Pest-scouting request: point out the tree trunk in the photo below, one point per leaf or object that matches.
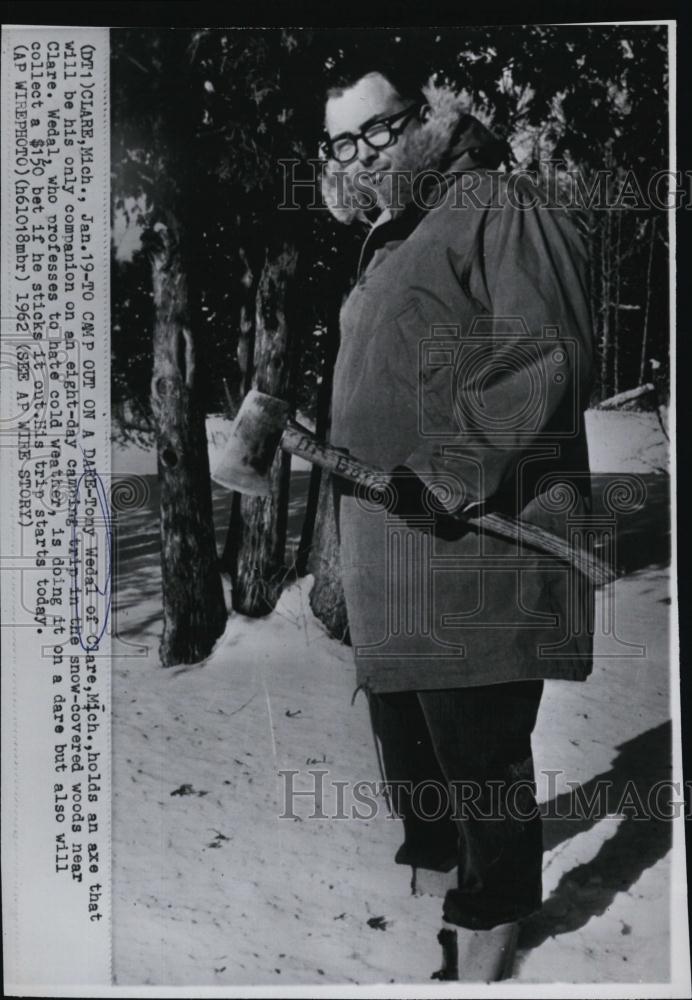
(605, 303)
(645, 330)
(592, 248)
(616, 310)
(307, 532)
(244, 355)
(246, 328)
(327, 595)
(194, 611)
(257, 538)
(324, 398)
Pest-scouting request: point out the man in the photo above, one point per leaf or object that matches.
(463, 370)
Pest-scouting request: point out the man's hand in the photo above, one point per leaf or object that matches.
(413, 500)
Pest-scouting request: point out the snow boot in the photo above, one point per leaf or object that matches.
(477, 956)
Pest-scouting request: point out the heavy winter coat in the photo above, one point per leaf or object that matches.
(466, 356)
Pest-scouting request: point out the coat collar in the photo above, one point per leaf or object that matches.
(472, 147)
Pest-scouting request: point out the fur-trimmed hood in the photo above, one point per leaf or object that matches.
(452, 138)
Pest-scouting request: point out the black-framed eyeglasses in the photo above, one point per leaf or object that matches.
(378, 135)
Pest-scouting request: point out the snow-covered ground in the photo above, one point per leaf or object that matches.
(619, 441)
(627, 441)
(212, 887)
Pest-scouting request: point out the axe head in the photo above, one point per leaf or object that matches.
(245, 463)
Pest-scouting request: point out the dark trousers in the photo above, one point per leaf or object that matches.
(461, 772)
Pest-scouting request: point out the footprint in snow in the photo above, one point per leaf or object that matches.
(377, 923)
(187, 790)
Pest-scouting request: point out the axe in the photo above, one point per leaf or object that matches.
(263, 424)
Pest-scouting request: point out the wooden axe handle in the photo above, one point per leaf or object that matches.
(302, 442)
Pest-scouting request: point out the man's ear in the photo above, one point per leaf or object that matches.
(425, 113)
